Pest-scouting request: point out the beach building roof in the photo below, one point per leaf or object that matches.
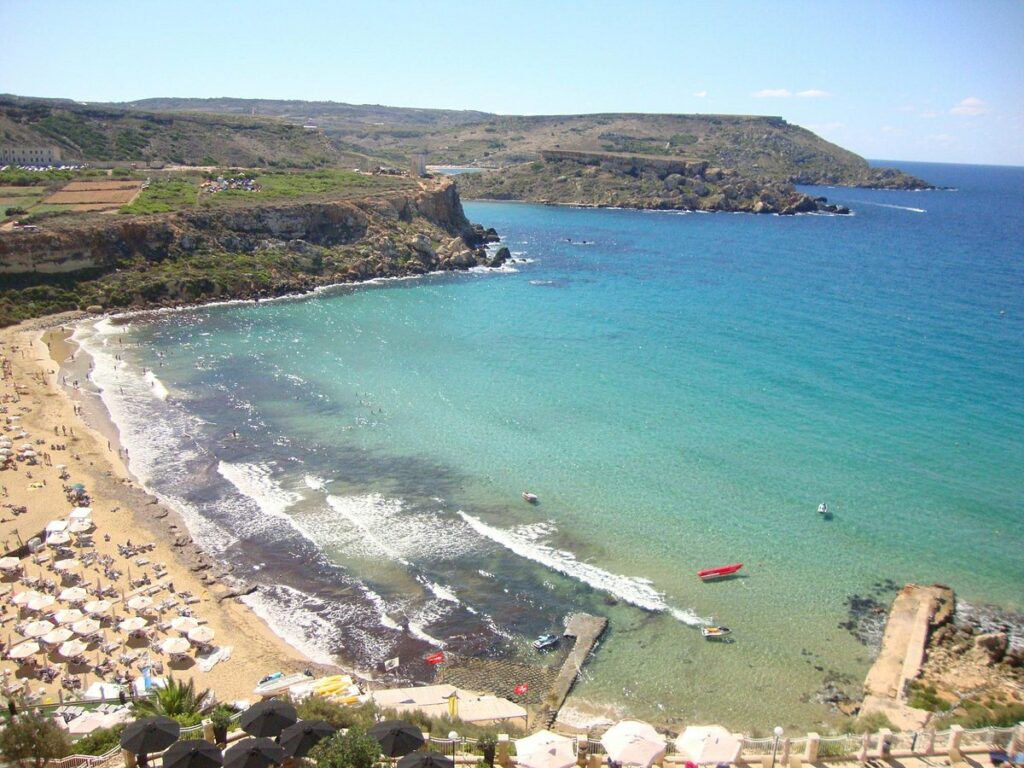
(432, 700)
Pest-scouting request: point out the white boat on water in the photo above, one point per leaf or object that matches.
(530, 498)
(823, 508)
(715, 633)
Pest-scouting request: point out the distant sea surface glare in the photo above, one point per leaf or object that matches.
(680, 391)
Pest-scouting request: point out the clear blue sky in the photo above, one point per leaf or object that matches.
(899, 79)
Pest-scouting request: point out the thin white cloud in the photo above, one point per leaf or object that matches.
(972, 106)
(892, 130)
(813, 93)
(700, 94)
(939, 138)
(772, 93)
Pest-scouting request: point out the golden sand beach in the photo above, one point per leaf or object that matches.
(139, 548)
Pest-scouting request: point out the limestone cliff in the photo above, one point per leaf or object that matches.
(251, 251)
(605, 179)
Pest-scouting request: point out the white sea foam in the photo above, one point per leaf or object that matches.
(256, 482)
(157, 447)
(315, 483)
(440, 591)
(381, 607)
(374, 526)
(157, 386)
(897, 207)
(291, 616)
(525, 541)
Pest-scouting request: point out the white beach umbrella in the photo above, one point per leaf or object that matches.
(37, 628)
(80, 526)
(74, 595)
(57, 636)
(85, 627)
(68, 616)
(174, 645)
(9, 563)
(184, 624)
(708, 744)
(80, 513)
(134, 624)
(56, 526)
(632, 742)
(24, 598)
(72, 648)
(41, 602)
(97, 607)
(28, 453)
(545, 749)
(201, 635)
(140, 603)
(58, 539)
(24, 650)
(67, 566)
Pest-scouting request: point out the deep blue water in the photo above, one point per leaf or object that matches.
(680, 390)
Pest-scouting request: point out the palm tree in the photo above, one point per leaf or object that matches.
(172, 700)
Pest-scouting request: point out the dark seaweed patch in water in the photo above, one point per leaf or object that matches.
(867, 613)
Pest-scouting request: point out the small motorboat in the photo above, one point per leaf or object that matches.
(530, 498)
(823, 508)
(721, 572)
(715, 633)
(546, 642)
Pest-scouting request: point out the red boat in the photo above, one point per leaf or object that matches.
(722, 571)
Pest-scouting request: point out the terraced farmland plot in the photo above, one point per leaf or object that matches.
(98, 195)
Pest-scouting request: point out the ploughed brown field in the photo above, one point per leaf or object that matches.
(97, 195)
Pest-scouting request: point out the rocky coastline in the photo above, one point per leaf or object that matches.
(255, 252)
(606, 180)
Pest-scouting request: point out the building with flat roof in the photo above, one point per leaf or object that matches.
(30, 155)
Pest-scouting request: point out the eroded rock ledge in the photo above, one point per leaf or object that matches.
(604, 179)
(251, 252)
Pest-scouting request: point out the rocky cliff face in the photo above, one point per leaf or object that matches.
(437, 211)
(630, 181)
(248, 251)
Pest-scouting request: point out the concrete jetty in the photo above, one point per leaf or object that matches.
(586, 630)
(914, 612)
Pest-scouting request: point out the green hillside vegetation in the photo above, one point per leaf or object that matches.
(321, 134)
(755, 146)
(106, 134)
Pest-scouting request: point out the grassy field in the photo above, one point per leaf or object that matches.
(164, 195)
(314, 184)
(19, 197)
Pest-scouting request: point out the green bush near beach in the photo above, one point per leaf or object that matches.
(353, 749)
(33, 740)
(99, 742)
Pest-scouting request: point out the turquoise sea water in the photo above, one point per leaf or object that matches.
(681, 391)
